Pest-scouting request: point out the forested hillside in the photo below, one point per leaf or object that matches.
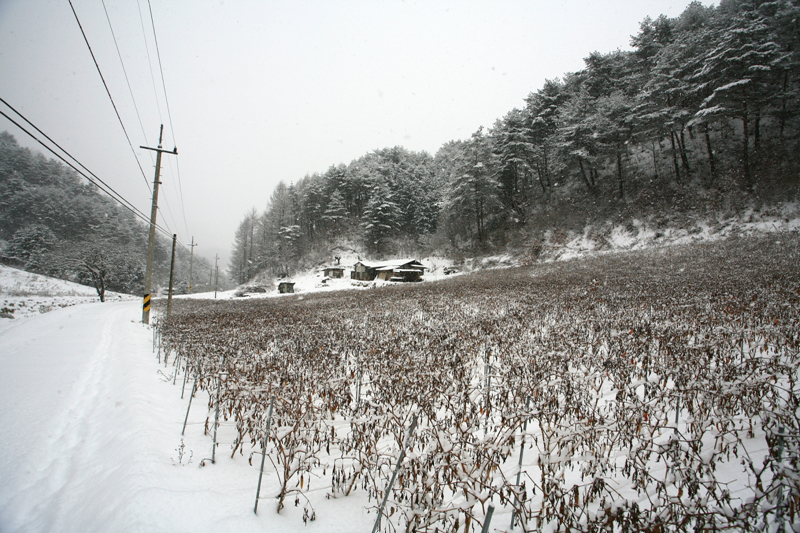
(55, 223)
(699, 118)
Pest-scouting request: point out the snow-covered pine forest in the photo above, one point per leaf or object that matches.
(699, 120)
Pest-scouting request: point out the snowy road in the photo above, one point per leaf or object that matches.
(89, 430)
(70, 400)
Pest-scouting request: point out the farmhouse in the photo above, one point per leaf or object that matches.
(394, 270)
(333, 272)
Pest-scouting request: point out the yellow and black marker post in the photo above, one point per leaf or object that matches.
(146, 305)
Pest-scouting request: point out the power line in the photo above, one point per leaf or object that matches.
(107, 91)
(62, 149)
(127, 80)
(161, 70)
(130, 90)
(180, 191)
(102, 185)
(149, 61)
(169, 210)
(105, 187)
(114, 195)
(169, 114)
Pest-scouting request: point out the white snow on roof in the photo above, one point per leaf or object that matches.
(391, 264)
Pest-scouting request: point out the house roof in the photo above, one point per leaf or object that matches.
(393, 264)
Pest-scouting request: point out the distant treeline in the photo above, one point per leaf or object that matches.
(54, 222)
(701, 114)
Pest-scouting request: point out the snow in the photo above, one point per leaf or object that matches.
(91, 428)
(23, 294)
(91, 425)
(640, 234)
(92, 434)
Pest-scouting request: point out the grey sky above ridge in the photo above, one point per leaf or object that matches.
(264, 91)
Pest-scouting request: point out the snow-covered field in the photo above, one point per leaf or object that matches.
(91, 425)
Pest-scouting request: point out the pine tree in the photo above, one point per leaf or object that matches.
(474, 197)
(335, 213)
(738, 73)
(381, 218)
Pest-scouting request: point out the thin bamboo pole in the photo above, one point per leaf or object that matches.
(264, 453)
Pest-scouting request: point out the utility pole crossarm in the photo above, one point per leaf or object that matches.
(174, 151)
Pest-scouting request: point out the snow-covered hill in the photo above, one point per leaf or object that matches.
(23, 294)
(560, 246)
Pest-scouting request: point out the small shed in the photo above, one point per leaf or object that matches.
(395, 270)
(285, 287)
(333, 272)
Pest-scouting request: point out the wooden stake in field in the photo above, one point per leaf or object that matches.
(358, 391)
(185, 374)
(521, 450)
(264, 453)
(194, 387)
(222, 377)
(394, 474)
(488, 519)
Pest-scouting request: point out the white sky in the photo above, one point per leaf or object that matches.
(263, 91)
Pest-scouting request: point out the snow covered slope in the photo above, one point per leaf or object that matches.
(24, 294)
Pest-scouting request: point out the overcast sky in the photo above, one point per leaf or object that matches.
(262, 91)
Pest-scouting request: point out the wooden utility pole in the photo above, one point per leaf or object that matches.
(151, 242)
(191, 263)
(216, 274)
(171, 271)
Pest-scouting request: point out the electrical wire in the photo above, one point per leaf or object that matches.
(161, 70)
(99, 183)
(169, 114)
(114, 195)
(169, 212)
(108, 92)
(131, 206)
(149, 61)
(180, 191)
(176, 189)
(127, 80)
(166, 201)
